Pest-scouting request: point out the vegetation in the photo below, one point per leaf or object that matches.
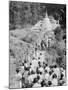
(23, 13)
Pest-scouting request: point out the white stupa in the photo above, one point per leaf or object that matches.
(42, 25)
(46, 24)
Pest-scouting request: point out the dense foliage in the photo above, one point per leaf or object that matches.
(23, 13)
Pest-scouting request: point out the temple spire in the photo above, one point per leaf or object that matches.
(46, 23)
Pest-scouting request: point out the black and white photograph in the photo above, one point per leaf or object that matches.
(37, 45)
